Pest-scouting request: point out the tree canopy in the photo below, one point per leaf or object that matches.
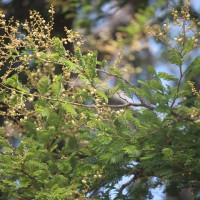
(63, 138)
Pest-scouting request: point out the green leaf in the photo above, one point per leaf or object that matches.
(58, 46)
(69, 108)
(57, 85)
(64, 166)
(132, 150)
(125, 88)
(78, 54)
(59, 180)
(167, 77)
(155, 85)
(152, 70)
(41, 174)
(2, 95)
(188, 46)
(43, 55)
(137, 123)
(162, 109)
(193, 69)
(24, 182)
(167, 152)
(118, 158)
(103, 95)
(44, 85)
(7, 149)
(102, 63)
(145, 92)
(53, 119)
(174, 57)
(115, 71)
(14, 82)
(54, 57)
(91, 61)
(84, 78)
(166, 172)
(42, 107)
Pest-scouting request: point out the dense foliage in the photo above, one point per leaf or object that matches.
(62, 139)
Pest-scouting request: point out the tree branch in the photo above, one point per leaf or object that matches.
(137, 175)
(83, 105)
